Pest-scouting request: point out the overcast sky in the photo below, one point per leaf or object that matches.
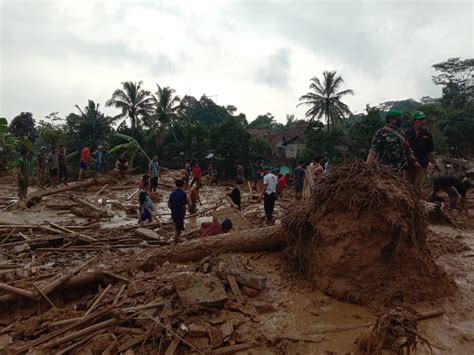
(256, 55)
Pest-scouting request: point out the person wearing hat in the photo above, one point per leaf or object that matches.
(268, 194)
(41, 167)
(421, 143)
(390, 147)
(214, 228)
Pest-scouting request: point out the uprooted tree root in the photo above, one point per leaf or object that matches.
(361, 237)
(395, 331)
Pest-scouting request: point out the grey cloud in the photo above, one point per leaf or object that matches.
(275, 70)
(42, 36)
(361, 35)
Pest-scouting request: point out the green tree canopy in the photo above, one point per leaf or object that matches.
(456, 77)
(266, 121)
(24, 126)
(230, 142)
(91, 125)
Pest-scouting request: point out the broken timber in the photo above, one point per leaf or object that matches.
(36, 196)
(252, 240)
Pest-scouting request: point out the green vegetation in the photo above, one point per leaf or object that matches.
(177, 128)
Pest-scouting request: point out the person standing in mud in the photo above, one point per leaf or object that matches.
(53, 165)
(62, 174)
(41, 167)
(268, 194)
(154, 171)
(299, 180)
(197, 174)
(421, 142)
(239, 170)
(22, 175)
(84, 160)
(177, 204)
(194, 198)
(390, 147)
(146, 205)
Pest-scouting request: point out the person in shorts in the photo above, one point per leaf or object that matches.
(85, 155)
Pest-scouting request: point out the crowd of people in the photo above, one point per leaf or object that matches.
(408, 153)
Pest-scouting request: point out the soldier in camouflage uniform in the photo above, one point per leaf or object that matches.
(390, 146)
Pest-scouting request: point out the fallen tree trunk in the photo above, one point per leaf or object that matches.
(251, 240)
(36, 196)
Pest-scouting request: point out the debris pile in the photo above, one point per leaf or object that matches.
(394, 331)
(361, 238)
(197, 308)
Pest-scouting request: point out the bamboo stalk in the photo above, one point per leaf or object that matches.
(98, 299)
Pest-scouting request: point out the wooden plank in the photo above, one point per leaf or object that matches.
(172, 347)
(235, 289)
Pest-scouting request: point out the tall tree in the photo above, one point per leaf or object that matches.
(134, 101)
(325, 99)
(24, 126)
(456, 76)
(166, 106)
(90, 125)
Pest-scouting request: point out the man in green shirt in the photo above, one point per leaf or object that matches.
(22, 176)
(390, 146)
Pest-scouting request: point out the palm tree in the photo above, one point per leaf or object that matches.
(166, 107)
(91, 123)
(133, 101)
(325, 99)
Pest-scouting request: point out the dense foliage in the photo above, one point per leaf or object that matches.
(177, 128)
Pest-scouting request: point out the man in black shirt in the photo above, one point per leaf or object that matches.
(421, 143)
(452, 186)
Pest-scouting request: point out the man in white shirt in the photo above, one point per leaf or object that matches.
(268, 194)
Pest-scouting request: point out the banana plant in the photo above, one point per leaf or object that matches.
(132, 147)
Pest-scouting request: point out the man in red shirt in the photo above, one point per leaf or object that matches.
(85, 156)
(196, 174)
(214, 228)
(281, 184)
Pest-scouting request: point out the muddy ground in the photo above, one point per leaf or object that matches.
(288, 315)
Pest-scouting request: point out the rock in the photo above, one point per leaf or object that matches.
(251, 292)
(199, 288)
(264, 307)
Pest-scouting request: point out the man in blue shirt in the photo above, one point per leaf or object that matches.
(154, 171)
(100, 159)
(177, 204)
